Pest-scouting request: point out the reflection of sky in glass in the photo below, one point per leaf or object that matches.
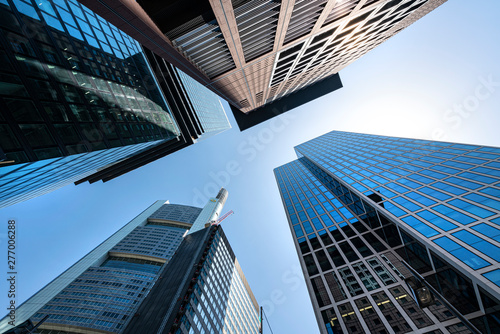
(98, 89)
(88, 27)
(74, 19)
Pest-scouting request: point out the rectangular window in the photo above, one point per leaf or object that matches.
(464, 255)
(453, 214)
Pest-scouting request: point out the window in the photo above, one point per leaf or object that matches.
(464, 255)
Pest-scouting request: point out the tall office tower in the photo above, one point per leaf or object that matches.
(151, 277)
(254, 53)
(360, 204)
(81, 101)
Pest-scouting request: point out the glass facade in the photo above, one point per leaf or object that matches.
(151, 256)
(221, 302)
(76, 94)
(108, 293)
(358, 202)
(207, 106)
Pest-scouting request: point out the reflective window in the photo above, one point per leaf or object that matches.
(453, 214)
(494, 276)
(464, 255)
(471, 208)
(420, 226)
(488, 231)
(481, 245)
(437, 221)
(492, 203)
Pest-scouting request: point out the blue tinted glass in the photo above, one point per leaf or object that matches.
(359, 187)
(74, 32)
(435, 175)
(317, 224)
(482, 155)
(400, 171)
(467, 237)
(434, 193)
(393, 209)
(463, 183)
(488, 249)
(437, 221)
(409, 183)
(494, 276)
(311, 213)
(448, 170)
(421, 178)
(453, 214)
(307, 227)
(491, 191)
(420, 226)
(477, 177)
(326, 220)
(447, 244)
(472, 160)
(463, 146)
(406, 203)
(336, 216)
(449, 188)
(496, 221)
(346, 213)
(385, 192)
(26, 9)
(67, 17)
(396, 187)
(421, 199)
(77, 11)
(52, 21)
(421, 163)
(369, 183)
(469, 258)
(494, 204)
(487, 230)
(302, 216)
(457, 164)
(488, 171)
(298, 231)
(494, 164)
(471, 208)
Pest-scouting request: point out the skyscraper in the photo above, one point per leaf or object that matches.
(83, 101)
(358, 205)
(254, 53)
(151, 277)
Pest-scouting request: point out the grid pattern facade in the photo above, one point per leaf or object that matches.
(207, 106)
(358, 203)
(73, 83)
(221, 301)
(21, 182)
(107, 294)
(177, 213)
(236, 42)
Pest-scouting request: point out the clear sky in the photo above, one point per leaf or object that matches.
(437, 79)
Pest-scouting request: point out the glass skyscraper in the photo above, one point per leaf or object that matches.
(154, 276)
(78, 95)
(359, 204)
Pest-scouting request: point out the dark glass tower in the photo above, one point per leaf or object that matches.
(78, 96)
(359, 204)
(151, 276)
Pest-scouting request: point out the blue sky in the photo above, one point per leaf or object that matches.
(438, 79)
